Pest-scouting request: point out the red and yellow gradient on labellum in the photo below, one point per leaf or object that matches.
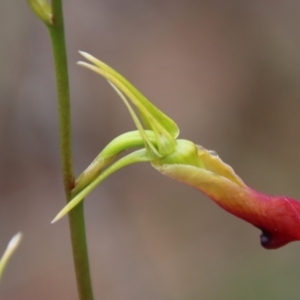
(277, 217)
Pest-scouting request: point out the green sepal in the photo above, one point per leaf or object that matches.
(152, 150)
(126, 141)
(134, 157)
(164, 128)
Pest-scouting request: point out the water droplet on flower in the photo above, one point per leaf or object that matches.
(213, 153)
(200, 149)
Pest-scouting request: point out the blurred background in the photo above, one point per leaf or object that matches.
(227, 72)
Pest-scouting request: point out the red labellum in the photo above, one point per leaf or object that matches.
(277, 217)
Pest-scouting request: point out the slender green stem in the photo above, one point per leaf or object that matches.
(60, 59)
(76, 216)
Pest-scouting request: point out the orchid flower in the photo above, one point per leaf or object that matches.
(277, 217)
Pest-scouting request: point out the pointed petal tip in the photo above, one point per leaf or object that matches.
(15, 241)
(83, 53)
(87, 56)
(10, 249)
(57, 217)
(86, 65)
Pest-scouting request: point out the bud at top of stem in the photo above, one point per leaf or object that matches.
(42, 9)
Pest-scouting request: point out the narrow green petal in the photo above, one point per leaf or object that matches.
(164, 120)
(135, 157)
(126, 141)
(164, 128)
(165, 141)
(148, 144)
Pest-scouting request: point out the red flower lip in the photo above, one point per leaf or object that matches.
(277, 217)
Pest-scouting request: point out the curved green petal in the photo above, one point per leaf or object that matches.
(163, 119)
(134, 157)
(164, 128)
(148, 144)
(125, 141)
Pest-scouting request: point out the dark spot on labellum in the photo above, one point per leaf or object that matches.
(264, 239)
(272, 241)
(267, 241)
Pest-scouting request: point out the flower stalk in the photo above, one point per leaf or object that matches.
(53, 18)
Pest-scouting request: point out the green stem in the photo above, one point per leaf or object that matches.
(76, 216)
